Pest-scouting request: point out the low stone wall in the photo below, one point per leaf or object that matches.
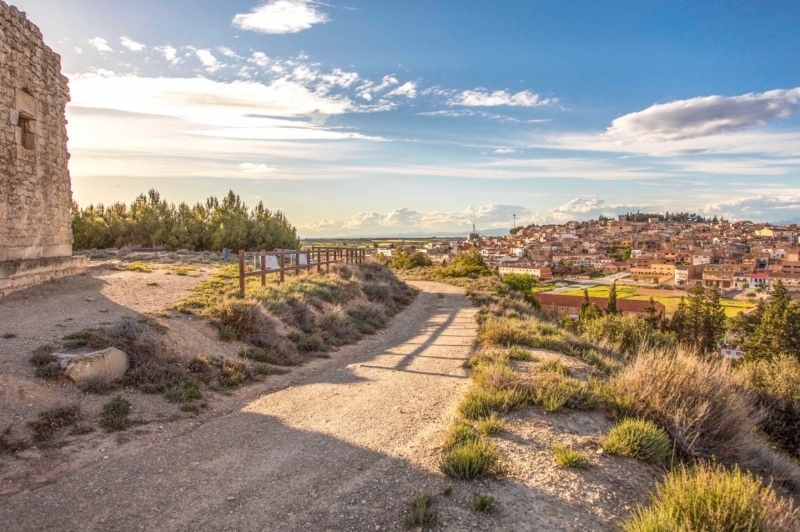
(18, 274)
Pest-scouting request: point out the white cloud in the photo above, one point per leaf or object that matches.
(503, 151)
(78, 50)
(580, 206)
(211, 63)
(100, 44)
(259, 58)
(407, 89)
(483, 98)
(132, 45)
(705, 116)
(281, 16)
(228, 52)
(405, 220)
(256, 168)
(757, 208)
(170, 53)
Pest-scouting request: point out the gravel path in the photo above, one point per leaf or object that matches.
(341, 444)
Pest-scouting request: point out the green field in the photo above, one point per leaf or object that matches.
(369, 242)
(732, 307)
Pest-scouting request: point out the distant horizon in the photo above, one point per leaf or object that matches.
(375, 117)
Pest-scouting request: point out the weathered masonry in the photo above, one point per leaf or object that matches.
(35, 194)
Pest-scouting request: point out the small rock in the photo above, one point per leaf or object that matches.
(231, 498)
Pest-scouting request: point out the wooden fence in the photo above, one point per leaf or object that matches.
(290, 260)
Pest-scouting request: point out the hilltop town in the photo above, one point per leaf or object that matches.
(657, 250)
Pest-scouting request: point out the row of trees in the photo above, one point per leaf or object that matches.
(151, 221)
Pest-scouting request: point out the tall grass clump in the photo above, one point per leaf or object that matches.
(420, 513)
(711, 498)
(479, 403)
(470, 459)
(553, 391)
(640, 439)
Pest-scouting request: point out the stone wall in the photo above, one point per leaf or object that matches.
(35, 194)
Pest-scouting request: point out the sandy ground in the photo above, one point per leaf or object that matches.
(340, 444)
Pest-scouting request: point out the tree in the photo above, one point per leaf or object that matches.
(777, 331)
(700, 320)
(653, 317)
(611, 308)
(586, 303)
(519, 281)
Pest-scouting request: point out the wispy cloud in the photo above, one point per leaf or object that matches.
(483, 98)
(132, 45)
(100, 44)
(405, 220)
(407, 89)
(281, 16)
(759, 207)
(169, 52)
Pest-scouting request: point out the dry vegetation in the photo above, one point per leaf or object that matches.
(673, 407)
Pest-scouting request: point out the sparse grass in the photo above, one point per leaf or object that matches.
(307, 343)
(470, 459)
(420, 513)
(153, 283)
(115, 414)
(490, 425)
(185, 391)
(567, 457)
(712, 498)
(554, 366)
(268, 369)
(8, 336)
(553, 391)
(483, 503)
(50, 422)
(495, 377)
(640, 439)
(138, 266)
(479, 403)
(517, 353)
(10, 444)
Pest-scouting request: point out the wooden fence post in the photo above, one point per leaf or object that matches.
(327, 260)
(319, 266)
(297, 264)
(282, 262)
(263, 268)
(241, 272)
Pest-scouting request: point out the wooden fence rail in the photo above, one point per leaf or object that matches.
(292, 260)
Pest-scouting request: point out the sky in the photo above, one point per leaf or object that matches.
(378, 118)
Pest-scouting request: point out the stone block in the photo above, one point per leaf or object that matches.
(104, 366)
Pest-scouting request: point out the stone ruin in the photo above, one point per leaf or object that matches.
(35, 193)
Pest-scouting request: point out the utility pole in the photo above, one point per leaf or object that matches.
(515, 222)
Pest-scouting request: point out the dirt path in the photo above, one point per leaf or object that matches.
(343, 444)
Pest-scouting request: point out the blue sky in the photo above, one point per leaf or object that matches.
(379, 118)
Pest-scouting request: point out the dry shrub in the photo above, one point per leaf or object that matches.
(368, 318)
(239, 320)
(50, 422)
(495, 376)
(336, 327)
(695, 400)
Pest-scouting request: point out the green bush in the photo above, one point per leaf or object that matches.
(460, 432)
(469, 264)
(552, 391)
(640, 439)
(712, 498)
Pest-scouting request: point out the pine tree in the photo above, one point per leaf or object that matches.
(714, 320)
(611, 308)
(776, 332)
(653, 316)
(586, 303)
